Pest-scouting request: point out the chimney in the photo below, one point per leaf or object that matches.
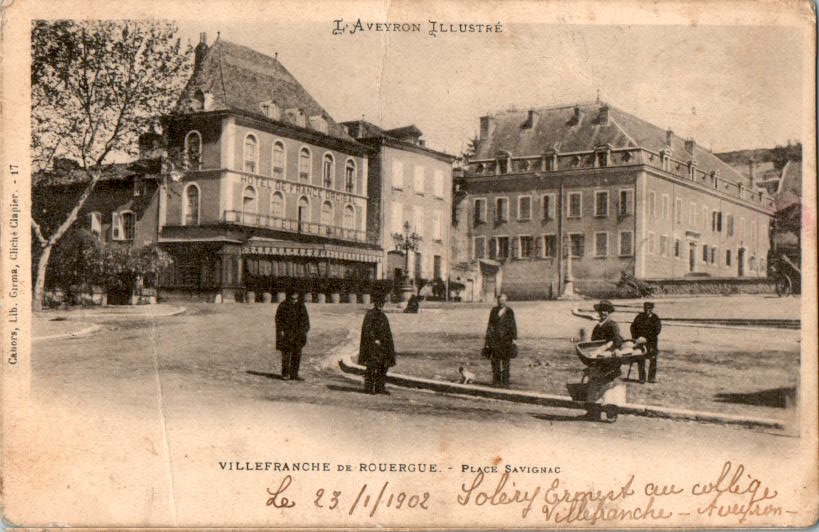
(531, 119)
(578, 115)
(201, 50)
(668, 136)
(603, 116)
(486, 126)
(689, 145)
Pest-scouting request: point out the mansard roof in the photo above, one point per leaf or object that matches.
(239, 78)
(561, 128)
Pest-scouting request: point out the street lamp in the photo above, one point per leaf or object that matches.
(406, 242)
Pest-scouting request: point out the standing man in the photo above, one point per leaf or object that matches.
(500, 346)
(292, 324)
(647, 325)
(376, 350)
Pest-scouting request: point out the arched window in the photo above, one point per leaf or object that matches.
(327, 167)
(248, 204)
(349, 176)
(193, 150)
(304, 210)
(191, 207)
(327, 213)
(305, 162)
(251, 155)
(199, 97)
(279, 159)
(277, 205)
(349, 217)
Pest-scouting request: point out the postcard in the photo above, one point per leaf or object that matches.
(349, 264)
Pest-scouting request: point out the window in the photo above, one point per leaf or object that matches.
(397, 218)
(503, 247)
(501, 210)
(305, 163)
(526, 246)
(575, 204)
(626, 243)
(651, 243)
(704, 217)
(191, 206)
(418, 220)
(128, 225)
(95, 223)
(327, 167)
(713, 255)
(713, 221)
(279, 159)
(524, 207)
(479, 247)
(493, 248)
(251, 156)
(327, 213)
(666, 213)
(626, 205)
(601, 244)
(652, 203)
(692, 214)
(349, 176)
(277, 205)
(550, 246)
(303, 210)
(248, 202)
(601, 203)
(719, 222)
(193, 150)
(418, 179)
(549, 207)
(677, 248)
(576, 244)
(438, 188)
(479, 212)
(730, 224)
(727, 257)
(678, 211)
(349, 217)
(705, 254)
(663, 245)
(397, 174)
(436, 225)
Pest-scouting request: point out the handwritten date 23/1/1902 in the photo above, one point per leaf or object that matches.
(367, 499)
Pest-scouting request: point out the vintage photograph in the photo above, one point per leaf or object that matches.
(356, 265)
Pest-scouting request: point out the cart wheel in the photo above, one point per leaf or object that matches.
(783, 286)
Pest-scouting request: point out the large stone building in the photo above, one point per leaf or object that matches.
(409, 186)
(616, 193)
(273, 191)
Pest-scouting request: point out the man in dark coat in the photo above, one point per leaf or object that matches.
(376, 350)
(499, 346)
(292, 324)
(647, 325)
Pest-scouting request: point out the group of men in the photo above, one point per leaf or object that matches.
(377, 349)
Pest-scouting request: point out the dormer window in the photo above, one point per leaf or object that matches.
(319, 123)
(296, 116)
(270, 110)
(199, 100)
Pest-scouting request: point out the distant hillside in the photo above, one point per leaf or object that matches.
(778, 155)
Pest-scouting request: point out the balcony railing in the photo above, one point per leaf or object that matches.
(294, 226)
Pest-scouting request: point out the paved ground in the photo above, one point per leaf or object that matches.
(131, 421)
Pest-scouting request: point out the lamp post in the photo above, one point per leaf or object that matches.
(568, 280)
(406, 242)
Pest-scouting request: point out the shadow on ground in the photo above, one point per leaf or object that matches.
(775, 397)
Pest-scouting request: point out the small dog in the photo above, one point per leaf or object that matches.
(467, 377)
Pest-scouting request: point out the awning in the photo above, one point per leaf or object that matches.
(264, 246)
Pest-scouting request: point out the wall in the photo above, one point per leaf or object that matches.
(110, 196)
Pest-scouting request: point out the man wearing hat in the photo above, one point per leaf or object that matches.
(376, 350)
(292, 324)
(499, 345)
(606, 328)
(647, 325)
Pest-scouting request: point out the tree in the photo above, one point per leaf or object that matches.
(95, 86)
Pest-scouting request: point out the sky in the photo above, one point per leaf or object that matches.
(727, 87)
